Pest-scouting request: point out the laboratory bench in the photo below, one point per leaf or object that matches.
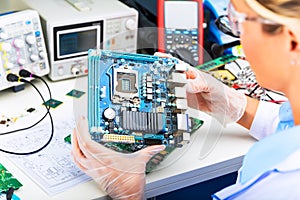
(213, 152)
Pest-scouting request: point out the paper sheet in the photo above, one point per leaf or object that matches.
(52, 168)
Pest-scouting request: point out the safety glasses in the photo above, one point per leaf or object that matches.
(231, 24)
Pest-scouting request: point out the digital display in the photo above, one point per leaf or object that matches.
(77, 42)
(181, 14)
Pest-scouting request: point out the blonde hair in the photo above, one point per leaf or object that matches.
(285, 12)
(288, 8)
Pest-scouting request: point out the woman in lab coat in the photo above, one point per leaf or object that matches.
(270, 36)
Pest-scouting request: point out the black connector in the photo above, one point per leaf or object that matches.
(12, 78)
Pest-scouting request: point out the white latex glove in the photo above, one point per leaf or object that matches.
(121, 175)
(206, 93)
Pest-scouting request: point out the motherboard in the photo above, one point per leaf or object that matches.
(136, 100)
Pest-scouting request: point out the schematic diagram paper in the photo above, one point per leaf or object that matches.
(52, 168)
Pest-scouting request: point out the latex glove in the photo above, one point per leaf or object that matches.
(121, 175)
(206, 93)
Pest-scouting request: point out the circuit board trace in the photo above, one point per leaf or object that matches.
(136, 100)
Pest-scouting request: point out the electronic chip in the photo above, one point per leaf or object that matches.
(30, 110)
(52, 103)
(75, 93)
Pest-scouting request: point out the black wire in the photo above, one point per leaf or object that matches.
(256, 87)
(23, 129)
(9, 193)
(237, 64)
(29, 127)
(52, 126)
(274, 92)
(224, 28)
(46, 86)
(271, 99)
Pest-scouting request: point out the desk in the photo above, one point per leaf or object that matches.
(224, 156)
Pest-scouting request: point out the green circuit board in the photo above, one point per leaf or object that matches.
(7, 180)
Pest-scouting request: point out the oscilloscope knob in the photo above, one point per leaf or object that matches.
(30, 39)
(21, 61)
(42, 54)
(18, 43)
(21, 41)
(34, 57)
(6, 47)
(130, 24)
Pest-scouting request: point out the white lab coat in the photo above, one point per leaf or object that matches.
(271, 168)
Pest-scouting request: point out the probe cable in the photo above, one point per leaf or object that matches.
(25, 74)
(15, 78)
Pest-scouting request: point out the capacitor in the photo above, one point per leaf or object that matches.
(109, 113)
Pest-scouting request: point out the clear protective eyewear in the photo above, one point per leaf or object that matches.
(236, 19)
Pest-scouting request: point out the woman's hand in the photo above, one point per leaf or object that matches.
(206, 93)
(121, 175)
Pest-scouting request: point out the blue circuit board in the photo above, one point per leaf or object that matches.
(137, 100)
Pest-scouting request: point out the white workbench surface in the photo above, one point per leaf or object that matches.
(214, 152)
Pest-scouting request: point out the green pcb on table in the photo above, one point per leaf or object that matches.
(7, 180)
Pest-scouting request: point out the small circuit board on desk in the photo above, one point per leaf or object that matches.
(236, 72)
(137, 100)
(217, 63)
(7, 180)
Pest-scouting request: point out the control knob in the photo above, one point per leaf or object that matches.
(34, 57)
(30, 39)
(6, 47)
(42, 54)
(18, 43)
(75, 71)
(130, 24)
(21, 61)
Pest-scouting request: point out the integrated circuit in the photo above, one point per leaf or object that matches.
(52, 103)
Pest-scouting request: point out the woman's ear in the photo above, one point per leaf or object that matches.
(294, 45)
(295, 41)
